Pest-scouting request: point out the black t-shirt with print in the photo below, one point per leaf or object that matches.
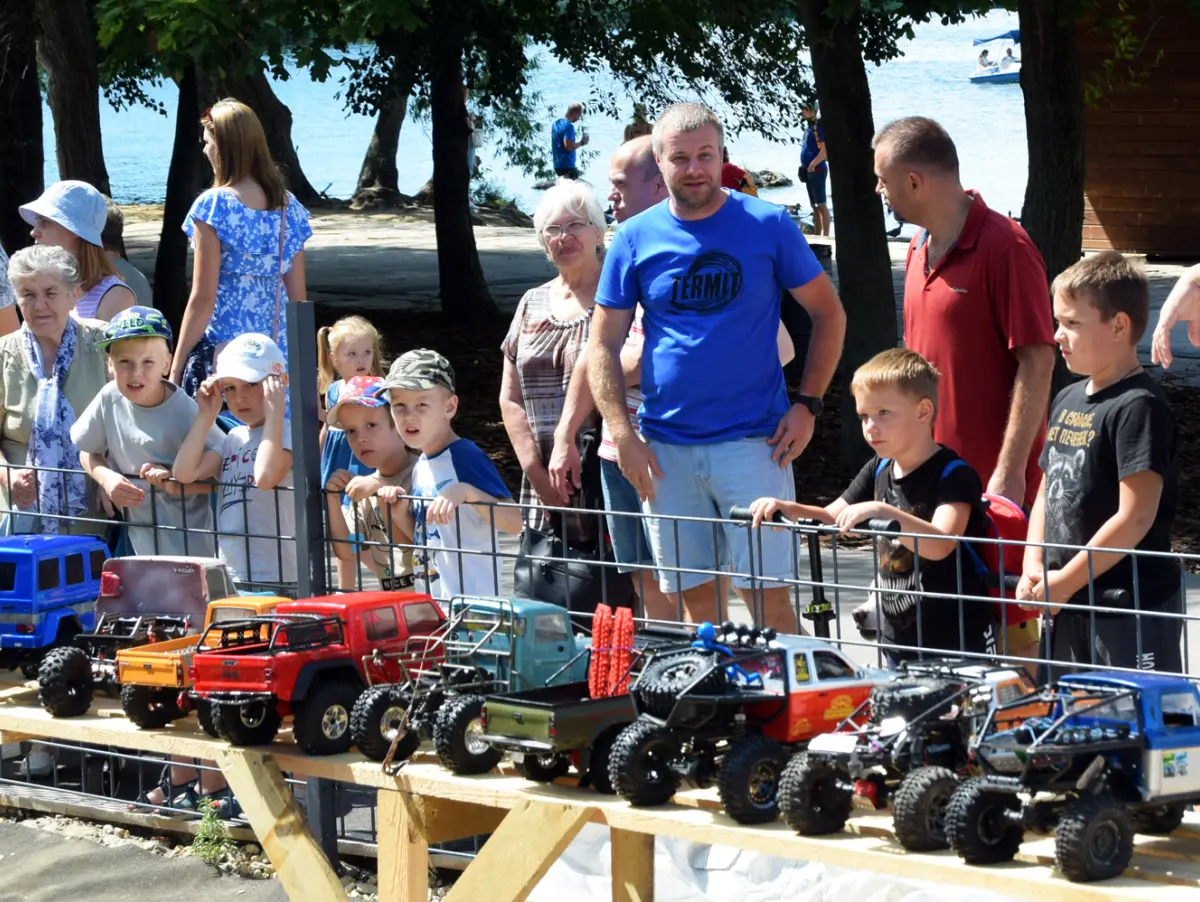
(920, 493)
(1095, 441)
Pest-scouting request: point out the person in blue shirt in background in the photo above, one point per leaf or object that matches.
(814, 170)
(708, 268)
(563, 144)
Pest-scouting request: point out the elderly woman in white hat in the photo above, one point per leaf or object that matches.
(71, 215)
(50, 368)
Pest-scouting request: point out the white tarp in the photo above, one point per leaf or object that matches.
(694, 872)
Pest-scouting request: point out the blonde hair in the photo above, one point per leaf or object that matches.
(328, 339)
(242, 151)
(94, 265)
(898, 368)
(686, 117)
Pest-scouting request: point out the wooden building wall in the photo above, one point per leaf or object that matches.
(1143, 144)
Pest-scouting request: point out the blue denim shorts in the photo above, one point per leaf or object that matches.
(705, 481)
(630, 537)
(816, 187)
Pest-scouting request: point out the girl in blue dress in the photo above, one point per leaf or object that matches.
(248, 233)
(348, 348)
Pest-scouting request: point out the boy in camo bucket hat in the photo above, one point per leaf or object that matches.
(452, 515)
(129, 435)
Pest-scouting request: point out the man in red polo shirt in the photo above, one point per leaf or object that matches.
(977, 306)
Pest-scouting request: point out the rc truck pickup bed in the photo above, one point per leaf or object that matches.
(154, 678)
(1106, 754)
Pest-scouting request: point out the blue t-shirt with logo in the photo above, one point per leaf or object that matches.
(710, 292)
(563, 131)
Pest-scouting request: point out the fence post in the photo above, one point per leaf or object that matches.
(309, 497)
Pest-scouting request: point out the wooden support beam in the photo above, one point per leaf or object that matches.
(632, 866)
(403, 848)
(281, 827)
(519, 852)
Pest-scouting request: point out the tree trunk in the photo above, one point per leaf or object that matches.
(22, 166)
(67, 51)
(1053, 89)
(464, 291)
(276, 120)
(184, 178)
(863, 263)
(379, 165)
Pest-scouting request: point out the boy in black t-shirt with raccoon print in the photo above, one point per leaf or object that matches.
(932, 492)
(1109, 481)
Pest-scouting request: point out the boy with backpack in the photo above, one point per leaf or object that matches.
(1109, 481)
(933, 493)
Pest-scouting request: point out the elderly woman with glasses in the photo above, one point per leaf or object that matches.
(50, 369)
(547, 335)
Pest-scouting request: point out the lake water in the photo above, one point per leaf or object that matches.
(986, 122)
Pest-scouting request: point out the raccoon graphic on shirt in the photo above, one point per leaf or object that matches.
(1064, 470)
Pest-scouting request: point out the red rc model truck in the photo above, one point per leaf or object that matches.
(309, 659)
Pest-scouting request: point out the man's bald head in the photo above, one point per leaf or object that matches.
(637, 182)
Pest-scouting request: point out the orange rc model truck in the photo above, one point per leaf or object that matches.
(154, 678)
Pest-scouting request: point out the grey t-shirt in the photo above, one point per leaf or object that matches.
(243, 510)
(131, 435)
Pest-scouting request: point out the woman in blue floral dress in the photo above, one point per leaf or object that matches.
(248, 233)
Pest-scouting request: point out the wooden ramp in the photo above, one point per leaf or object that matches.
(531, 824)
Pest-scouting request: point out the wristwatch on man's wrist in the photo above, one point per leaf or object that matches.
(814, 405)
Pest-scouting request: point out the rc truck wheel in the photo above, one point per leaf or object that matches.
(321, 723)
(375, 721)
(1158, 821)
(30, 669)
(597, 762)
(979, 825)
(545, 769)
(458, 737)
(919, 808)
(639, 766)
(909, 696)
(748, 781)
(1094, 839)
(65, 679)
(810, 798)
(149, 708)
(252, 723)
(664, 679)
(204, 714)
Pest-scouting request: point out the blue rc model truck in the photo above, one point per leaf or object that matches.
(48, 591)
(1102, 756)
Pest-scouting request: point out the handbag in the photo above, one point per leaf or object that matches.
(548, 568)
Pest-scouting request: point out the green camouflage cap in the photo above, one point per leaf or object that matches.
(420, 370)
(136, 322)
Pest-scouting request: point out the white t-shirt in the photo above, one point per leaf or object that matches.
(243, 510)
(130, 435)
(452, 546)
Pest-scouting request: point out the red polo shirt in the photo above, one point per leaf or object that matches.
(987, 296)
(732, 176)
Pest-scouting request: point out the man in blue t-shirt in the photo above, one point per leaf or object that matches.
(708, 268)
(563, 144)
(814, 170)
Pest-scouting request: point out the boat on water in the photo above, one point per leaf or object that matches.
(1004, 70)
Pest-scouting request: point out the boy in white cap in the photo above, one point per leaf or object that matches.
(252, 461)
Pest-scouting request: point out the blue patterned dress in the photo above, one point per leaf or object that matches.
(250, 263)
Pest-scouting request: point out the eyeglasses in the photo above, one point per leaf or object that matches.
(556, 231)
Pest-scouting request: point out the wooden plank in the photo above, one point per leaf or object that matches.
(403, 849)
(632, 866)
(519, 852)
(280, 825)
